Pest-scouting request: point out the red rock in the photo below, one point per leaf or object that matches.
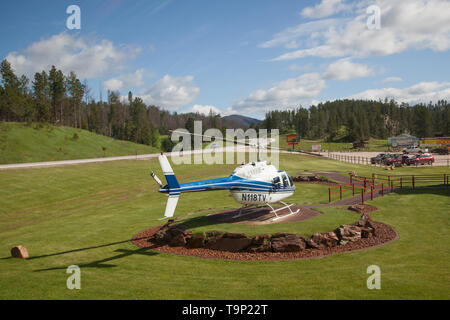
(348, 234)
(234, 235)
(162, 236)
(178, 241)
(260, 243)
(19, 252)
(323, 240)
(196, 241)
(228, 244)
(288, 243)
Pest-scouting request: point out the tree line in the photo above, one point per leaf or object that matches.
(55, 98)
(352, 120)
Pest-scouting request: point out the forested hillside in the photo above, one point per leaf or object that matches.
(350, 120)
(64, 100)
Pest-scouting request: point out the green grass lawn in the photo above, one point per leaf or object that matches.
(21, 143)
(85, 215)
(306, 145)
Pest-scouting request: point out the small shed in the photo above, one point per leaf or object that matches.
(359, 144)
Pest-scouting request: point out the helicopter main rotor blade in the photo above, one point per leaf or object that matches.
(258, 145)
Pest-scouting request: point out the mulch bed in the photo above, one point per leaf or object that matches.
(383, 232)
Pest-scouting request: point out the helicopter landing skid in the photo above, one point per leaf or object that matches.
(240, 214)
(286, 206)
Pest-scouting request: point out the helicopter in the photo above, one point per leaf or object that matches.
(252, 184)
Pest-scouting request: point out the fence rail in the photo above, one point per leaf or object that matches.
(382, 184)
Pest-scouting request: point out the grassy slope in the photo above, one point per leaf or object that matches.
(21, 143)
(85, 215)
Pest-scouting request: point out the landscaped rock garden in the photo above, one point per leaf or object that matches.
(177, 239)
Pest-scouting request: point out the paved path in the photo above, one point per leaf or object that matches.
(134, 157)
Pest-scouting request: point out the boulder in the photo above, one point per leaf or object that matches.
(162, 236)
(347, 234)
(367, 232)
(260, 243)
(288, 243)
(222, 243)
(357, 207)
(234, 235)
(366, 225)
(323, 240)
(178, 241)
(19, 252)
(280, 234)
(196, 241)
(177, 229)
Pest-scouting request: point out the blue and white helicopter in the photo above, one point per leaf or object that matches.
(252, 184)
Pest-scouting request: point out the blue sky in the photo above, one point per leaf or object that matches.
(243, 57)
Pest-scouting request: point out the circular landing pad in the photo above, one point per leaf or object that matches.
(262, 215)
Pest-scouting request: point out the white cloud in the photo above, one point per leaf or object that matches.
(171, 92)
(405, 25)
(324, 9)
(135, 79)
(285, 94)
(205, 109)
(113, 84)
(344, 69)
(289, 38)
(392, 79)
(88, 58)
(421, 92)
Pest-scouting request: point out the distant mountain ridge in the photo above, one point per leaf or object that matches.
(238, 121)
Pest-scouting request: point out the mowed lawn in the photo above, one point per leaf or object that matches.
(85, 215)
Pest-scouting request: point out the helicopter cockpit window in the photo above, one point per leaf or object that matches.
(290, 181)
(285, 181)
(276, 182)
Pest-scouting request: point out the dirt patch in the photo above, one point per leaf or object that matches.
(262, 215)
(384, 234)
(362, 208)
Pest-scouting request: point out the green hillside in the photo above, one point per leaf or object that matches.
(20, 143)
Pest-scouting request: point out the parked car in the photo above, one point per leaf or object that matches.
(412, 150)
(398, 160)
(440, 151)
(378, 158)
(422, 159)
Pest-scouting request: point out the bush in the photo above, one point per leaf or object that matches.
(167, 144)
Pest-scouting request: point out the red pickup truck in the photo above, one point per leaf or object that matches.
(422, 159)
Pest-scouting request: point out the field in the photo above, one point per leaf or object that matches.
(306, 145)
(85, 215)
(21, 143)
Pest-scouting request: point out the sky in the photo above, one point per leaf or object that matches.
(237, 57)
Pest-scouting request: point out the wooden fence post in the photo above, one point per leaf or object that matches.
(340, 192)
(413, 183)
(371, 192)
(362, 196)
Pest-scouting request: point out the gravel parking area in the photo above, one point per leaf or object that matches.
(362, 157)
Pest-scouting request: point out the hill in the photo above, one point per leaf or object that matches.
(238, 121)
(20, 143)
